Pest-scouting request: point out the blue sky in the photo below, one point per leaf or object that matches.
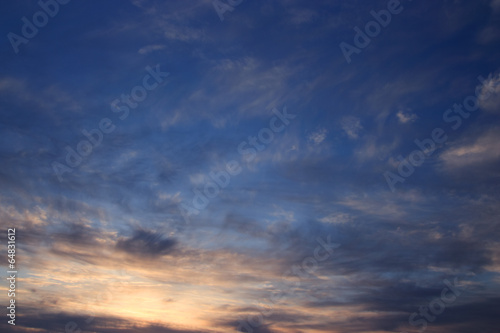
(134, 234)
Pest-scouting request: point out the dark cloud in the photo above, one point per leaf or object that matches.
(147, 243)
(76, 234)
(58, 322)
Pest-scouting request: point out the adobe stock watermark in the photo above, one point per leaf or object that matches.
(307, 268)
(222, 7)
(372, 29)
(448, 296)
(29, 29)
(428, 146)
(248, 151)
(94, 137)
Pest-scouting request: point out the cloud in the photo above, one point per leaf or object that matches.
(151, 48)
(484, 150)
(318, 136)
(183, 33)
(406, 117)
(489, 35)
(77, 234)
(489, 95)
(495, 5)
(373, 148)
(58, 322)
(352, 126)
(229, 91)
(336, 218)
(51, 99)
(146, 243)
(138, 3)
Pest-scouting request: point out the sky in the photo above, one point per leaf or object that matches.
(255, 166)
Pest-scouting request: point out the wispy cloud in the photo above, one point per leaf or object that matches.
(485, 149)
(318, 136)
(406, 117)
(351, 126)
(151, 48)
(489, 97)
